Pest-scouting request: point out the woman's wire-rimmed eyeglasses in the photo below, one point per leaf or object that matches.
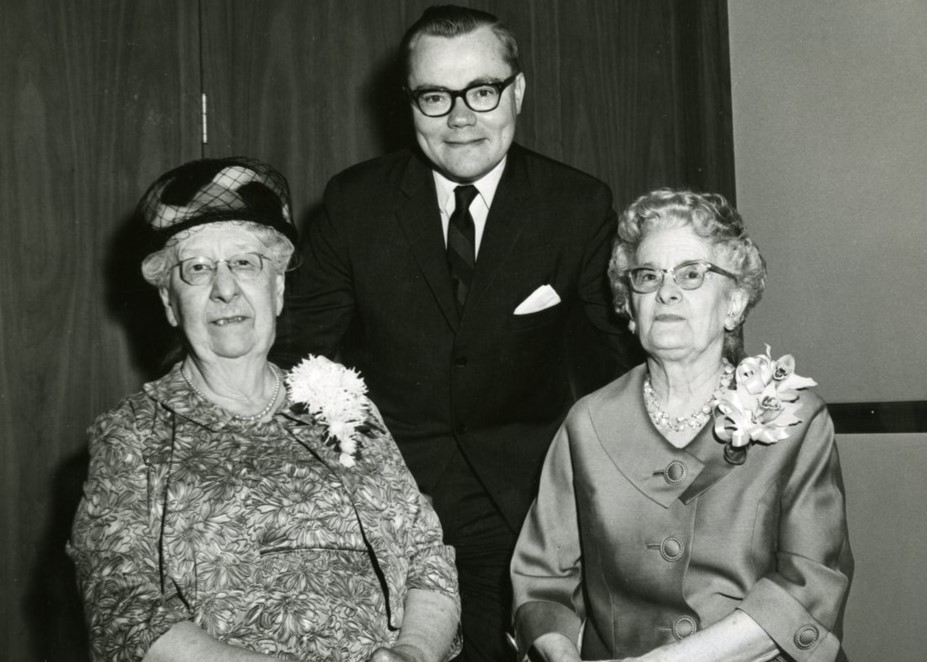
(688, 276)
(200, 270)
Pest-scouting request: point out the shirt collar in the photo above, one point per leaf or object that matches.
(486, 187)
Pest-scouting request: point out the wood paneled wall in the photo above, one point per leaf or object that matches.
(98, 98)
(101, 96)
(635, 92)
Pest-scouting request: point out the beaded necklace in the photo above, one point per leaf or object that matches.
(247, 419)
(693, 421)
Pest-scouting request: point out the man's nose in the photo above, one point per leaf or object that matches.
(460, 114)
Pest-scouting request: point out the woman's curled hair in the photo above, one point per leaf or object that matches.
(712, 218)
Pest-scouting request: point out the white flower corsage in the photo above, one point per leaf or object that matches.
(334, 396)
(762, 406)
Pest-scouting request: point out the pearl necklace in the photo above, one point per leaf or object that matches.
(247, 419)
(693, 421)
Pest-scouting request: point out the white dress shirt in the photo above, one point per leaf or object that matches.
(479, 209)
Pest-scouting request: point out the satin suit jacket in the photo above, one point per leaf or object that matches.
(375, 285)
(645, 543)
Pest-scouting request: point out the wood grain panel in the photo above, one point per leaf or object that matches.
(104, 95)
(310, 87)
(637, 93)
(636, 115)
(95, 110)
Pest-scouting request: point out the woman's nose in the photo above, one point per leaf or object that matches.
(224, 285)
(668, 290)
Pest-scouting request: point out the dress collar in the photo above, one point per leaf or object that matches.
(174, 393)
(658, 469)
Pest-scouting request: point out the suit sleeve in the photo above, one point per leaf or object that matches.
(546, 567)
(114, 545)
(609, 349)
(799, 604)
(320, 295)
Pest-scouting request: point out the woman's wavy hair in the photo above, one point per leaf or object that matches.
(713, 219)
(156, 267)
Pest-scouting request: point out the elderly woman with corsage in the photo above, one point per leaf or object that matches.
(693, 509)
(235, 513)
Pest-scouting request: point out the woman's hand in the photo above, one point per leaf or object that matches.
(399, 653)
(427, 631)
(554, 647)
(735, 638)
(186, 642)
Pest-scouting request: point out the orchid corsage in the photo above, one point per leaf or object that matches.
(762, 406)
(333, 395)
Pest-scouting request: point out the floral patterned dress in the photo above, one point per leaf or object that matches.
(255, 532)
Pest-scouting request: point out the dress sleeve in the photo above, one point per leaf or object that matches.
(547, 563)
(430, 562)
(800, 604)
(114, 545)
(319, 303)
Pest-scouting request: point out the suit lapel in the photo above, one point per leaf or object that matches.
(418, 215)
(510, 212)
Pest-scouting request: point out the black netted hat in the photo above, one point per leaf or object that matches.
(234, 188)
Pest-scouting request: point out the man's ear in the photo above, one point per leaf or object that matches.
(520, 85)
(168, 306)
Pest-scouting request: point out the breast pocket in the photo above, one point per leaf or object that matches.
(542, 318)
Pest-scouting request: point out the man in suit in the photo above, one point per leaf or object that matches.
(448, 275)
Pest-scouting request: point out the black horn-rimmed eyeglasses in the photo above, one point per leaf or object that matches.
(479, 97)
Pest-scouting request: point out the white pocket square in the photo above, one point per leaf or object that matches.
(542, 298)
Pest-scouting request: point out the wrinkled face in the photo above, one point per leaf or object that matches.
(228, 318)
(464, 145)
(678, 324)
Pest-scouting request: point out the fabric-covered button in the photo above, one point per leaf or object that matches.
(683, 627)
(671, 549)
(806, 636)
(675, 472)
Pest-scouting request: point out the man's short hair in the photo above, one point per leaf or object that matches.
(451, 21)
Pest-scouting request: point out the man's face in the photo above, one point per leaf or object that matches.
(464, 145)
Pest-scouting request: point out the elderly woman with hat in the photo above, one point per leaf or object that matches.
(232, 512)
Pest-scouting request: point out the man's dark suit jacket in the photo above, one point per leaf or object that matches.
(374, 285)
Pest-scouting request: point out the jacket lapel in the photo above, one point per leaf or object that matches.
(418, 215)
(511, 210)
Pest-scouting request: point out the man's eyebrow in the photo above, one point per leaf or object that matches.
(482, 80)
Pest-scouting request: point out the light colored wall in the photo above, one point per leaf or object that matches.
(886, 498)
(830, 139)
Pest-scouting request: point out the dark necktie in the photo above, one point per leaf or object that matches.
(461, 252)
